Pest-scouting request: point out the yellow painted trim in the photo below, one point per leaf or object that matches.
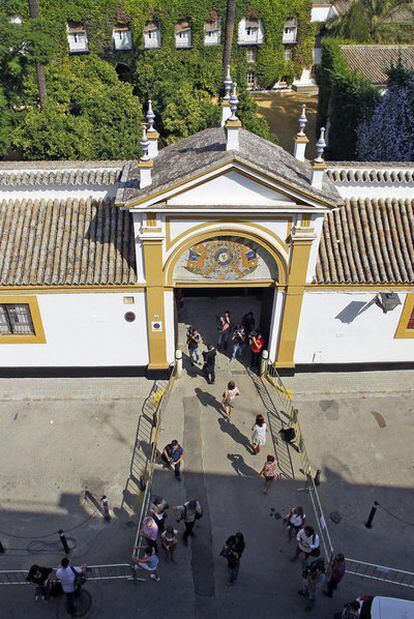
(299, 260)
(306, 220)
(147, 163)
(225, 231)
(155, 303)
(402, 330)
(317, 165)
(39, 334)
(74, 289)
(153, 135)
(151, 220)
(227, 219)
(301, 139)
(233, 124)
(219, 167)
(257, 283)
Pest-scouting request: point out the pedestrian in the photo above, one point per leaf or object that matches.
(258, 434)
(173, 455)
(158, 510)
(248, 323)
(150, 532)
(294, 520)
(193, 343)
(256, 343)
(71, 579)
(209, 357)
(148, 562)
(314, 576)
(224, 330)
(308, 543)
(229, 397)
(238, 339)
(41, 577)
(337, 570)
(269, 472)
(189, 512)
(232, 551)
(169, 538)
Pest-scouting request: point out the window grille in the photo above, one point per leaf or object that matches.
(15, 319)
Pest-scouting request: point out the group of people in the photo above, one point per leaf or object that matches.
(231, 337)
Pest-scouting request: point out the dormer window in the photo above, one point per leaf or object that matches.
(250, 31)
(212, 30)
(183, 34)
(152, 35)
(77, 38)
(290, 31)
(122, 38)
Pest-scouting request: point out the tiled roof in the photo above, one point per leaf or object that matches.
(367, 242)
(372, 61)
(65, 242)
(60, 172)
(396, 174)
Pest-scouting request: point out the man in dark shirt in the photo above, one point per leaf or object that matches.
(337, 571)
(173, 455)
(209, 357)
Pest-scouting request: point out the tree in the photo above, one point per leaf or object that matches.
(40, 70)
(90, 115)
(230, 18)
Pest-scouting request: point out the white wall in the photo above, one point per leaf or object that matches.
(169, 325)
(331, 332)
(371, 189)
(85, 330)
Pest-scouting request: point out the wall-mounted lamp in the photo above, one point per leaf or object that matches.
(387, 301)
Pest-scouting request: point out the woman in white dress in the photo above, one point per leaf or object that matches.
(259, 434)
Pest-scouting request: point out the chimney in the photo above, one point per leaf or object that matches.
(152, 133)
(225, 104)
(318, 164)
(300, 139)
(233, 124)
(145, 163)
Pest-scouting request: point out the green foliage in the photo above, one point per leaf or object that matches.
(91, 115)
(5, 123)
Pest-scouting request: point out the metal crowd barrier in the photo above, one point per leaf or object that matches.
(380, 572)
(115, 571)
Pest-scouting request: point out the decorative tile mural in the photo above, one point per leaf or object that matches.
(228, 258)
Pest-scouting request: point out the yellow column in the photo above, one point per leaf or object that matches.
(299, 260)
(155, 304)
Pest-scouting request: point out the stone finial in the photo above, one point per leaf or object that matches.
(303, 121)
(227, 82)
(150, 117)
(301, 139)
(234, 102)
(145, 163)
(320, 147)
(144, 144)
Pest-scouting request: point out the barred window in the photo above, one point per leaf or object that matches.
(15, 319)
(410, 324)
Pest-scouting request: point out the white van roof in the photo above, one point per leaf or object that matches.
(391, 608)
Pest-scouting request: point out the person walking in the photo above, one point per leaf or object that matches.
(193, 343)
(224, 330)
(209, 357)
(169, 538)
(68, 577)
(314, 579)
(294, 520)
(232, 551)
(256, 343)
(337, 569)
(258, 434)
(41, 577)
(189, 512)
(238, 338)
(158, 510)
(150, 532)
(229, 397)
(269, 472)
(308, 543)
(149, 562)
(173, 455)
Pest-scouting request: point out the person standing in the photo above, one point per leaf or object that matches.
(173, 455)
(150, 532)
(232, 551)
(41, 577)
(189, 512)
(169, 539)
(337, 569)
(256, 343)
(258, 434)
(294, 520)
(269, 472)
(248, 323)
(158, 510)
(209, 357)
(67, 576)
(224, 330)
(229, 397)
(313, 582)
(238, 339)
(193, 343)
(148, 562)
(308, 543)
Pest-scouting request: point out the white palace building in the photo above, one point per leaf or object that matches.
(91, 253)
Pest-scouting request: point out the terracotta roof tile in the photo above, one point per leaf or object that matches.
(65, 242)
(34, 173)
(372, 61)
(368, 241)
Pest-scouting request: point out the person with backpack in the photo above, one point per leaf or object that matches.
(189, 512)
(308, 543)
(314, 576)
(209, 358)
(71, 578)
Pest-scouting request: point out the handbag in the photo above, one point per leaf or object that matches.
(80, 578)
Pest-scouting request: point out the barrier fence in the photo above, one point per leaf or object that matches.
(115, 571)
